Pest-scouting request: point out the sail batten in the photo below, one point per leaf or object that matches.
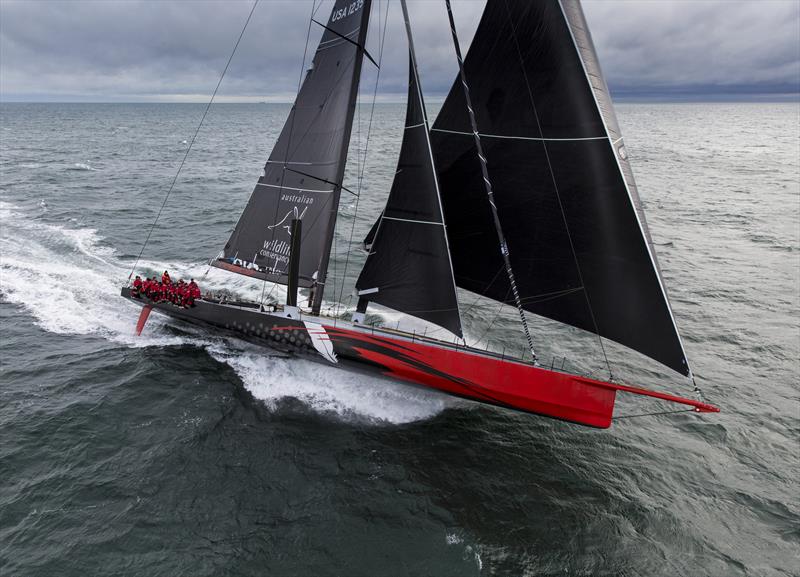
(515, 137)
(303, 175)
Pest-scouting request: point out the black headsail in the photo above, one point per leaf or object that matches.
(303, 176)
(564, 190)
(408, 268)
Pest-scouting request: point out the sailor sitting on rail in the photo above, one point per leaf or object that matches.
(180, 294)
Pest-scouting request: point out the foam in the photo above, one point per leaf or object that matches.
(329, 390)
(68, 293)
(68, 280)
(81, 166)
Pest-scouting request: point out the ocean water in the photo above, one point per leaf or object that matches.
(183, 453)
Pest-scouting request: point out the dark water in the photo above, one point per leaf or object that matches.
(180, 453)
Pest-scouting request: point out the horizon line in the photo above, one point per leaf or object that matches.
(793, 97)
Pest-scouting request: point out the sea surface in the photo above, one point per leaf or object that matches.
(180, 453)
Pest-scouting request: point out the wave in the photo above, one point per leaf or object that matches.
(328, 390)
(82, 166)
(69, 281)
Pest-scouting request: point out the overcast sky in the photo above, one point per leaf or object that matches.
(165, 50)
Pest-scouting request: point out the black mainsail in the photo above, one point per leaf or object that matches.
(303, 175)
(564, 190)
(408, 267)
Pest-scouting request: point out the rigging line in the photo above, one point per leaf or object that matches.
(291, 122)
(366, 144)
(555, 186)
(343, 37)
(479, 296)
(511, 137)
(491, 324)
(334, 259)
(325, 180)
(337, 301)
(263, 288)
(269, 294)
(488, 185)
(194, 137)
(655, 414)
(698, 393)
(552, 294)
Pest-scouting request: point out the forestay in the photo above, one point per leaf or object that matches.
(565, 194)
(303, 176)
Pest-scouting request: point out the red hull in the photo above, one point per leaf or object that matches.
(505, 382)
(461, 371)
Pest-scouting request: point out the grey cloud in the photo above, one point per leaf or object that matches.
(138, 49)
(708, 43)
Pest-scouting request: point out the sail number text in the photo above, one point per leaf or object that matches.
(347, 10)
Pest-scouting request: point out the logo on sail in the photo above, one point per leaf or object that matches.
(277, 249)
(295, 214)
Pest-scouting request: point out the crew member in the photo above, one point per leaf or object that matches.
(194, 292)
(156, 290)
(182, 293)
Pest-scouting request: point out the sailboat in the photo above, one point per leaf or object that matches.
(521, 191)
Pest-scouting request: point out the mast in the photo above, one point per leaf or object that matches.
(318, 289)
(488, 185)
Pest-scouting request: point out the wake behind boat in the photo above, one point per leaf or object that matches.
(520, 192)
